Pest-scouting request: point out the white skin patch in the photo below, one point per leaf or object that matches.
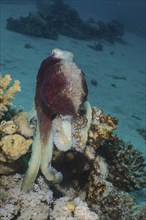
(62, 54)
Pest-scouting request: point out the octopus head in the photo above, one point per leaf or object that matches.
(62, 54)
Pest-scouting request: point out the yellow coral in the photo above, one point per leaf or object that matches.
(71, 205)
(14, 146)
(8, 127)
(6, 92)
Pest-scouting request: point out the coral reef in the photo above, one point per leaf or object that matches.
(101, 129)
(16, 132)
(66, 208)
(15, 204)
(126, 165)
(12, 145)
(26, 123)
(75, 164)
(41, 203)
(56, 17)
(102, 196)
(7, 92)
(7, 127)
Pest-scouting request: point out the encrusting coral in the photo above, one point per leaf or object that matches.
(7, 93)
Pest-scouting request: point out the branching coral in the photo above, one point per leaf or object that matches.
(126, 165)
(7, 93)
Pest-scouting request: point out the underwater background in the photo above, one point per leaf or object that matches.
(108, 40)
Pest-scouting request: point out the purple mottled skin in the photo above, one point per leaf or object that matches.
(48, 100)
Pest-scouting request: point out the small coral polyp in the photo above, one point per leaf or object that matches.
(61, 91)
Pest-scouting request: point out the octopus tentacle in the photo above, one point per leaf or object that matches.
(73, 131)
(62, 132)
(34, 163)
(80, 128)
(46, 158)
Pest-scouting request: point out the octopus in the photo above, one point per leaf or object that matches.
(63, 114)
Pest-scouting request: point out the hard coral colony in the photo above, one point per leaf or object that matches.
(78, 140)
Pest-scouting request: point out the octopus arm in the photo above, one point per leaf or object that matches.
(46, 154)
(34, 163)
(62, 132)
(88, 114)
